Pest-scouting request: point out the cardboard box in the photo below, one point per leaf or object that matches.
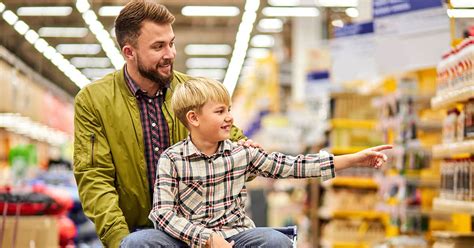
(31, 231)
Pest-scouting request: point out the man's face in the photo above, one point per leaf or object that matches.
(155, 52)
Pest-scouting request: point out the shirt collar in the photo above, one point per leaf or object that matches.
(135, 89)
(190, 150)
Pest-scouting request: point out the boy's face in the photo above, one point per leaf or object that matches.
(215, 121)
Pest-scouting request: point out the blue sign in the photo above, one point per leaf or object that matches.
(392, 7)
(317, 75)
(354, 29)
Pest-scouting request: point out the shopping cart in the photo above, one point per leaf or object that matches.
(290, 231)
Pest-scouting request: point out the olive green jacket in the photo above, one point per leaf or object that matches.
(109, 155)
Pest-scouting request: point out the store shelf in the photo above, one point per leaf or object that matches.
(329, 244)
(346, 150)
(452, 97)
(351, 123)
(448, 235)
(464, 148)
(352, 182)
(453, 206)
(350, 214)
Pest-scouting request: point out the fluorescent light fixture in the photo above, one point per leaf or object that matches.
(211, 73)
(63, 32)
(338, 23)
(262, 40)
(44, 11)
(284, 2)
(21, 27)
(104, 38)
(270, 25)
(84, 62)
(2, 7)
(460, 13)
(352, 12)
(41, 45)
(337, 3)
(462, 3)
(208, 49)
(112, 32)
(10, 17)
(110, 10)
(241, 45)
(291, 11)
(95, 72)
(31, 36)
(207, 63)
(90, 49)
(49, 52)
(258, 53)
(210, 11)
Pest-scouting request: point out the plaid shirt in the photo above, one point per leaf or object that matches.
(155, 129)
(196, 195)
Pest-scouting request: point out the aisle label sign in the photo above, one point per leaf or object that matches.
(392, 7)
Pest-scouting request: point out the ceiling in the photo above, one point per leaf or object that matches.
(188, 30)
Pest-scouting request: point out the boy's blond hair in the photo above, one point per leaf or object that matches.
(195, 93)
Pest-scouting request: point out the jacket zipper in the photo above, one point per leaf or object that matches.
(92, 150)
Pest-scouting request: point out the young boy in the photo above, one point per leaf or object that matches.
(200, 191)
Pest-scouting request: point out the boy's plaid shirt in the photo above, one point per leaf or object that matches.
(196, 195)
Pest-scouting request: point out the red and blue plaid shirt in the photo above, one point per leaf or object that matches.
(155, 129)
(196, 195)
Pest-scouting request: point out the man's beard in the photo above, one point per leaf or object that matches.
(154, 75)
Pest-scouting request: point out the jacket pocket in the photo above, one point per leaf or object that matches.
(92, 145)
(191, 197)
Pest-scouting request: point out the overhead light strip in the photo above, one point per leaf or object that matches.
(241, 44)
(96, 27)
(210, 11)
(460, 13)
(462, 3)
(43, 47)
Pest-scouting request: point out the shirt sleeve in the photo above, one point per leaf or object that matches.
(279, 165)
(165, 206)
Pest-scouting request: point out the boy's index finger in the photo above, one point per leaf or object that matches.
(381, 148)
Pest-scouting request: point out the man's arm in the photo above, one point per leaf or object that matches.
(166, 204)
(95, 174)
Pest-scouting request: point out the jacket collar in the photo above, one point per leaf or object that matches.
(190, 150)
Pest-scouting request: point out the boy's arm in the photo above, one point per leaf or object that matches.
(371, 157)
(279, 165)
(165, 205)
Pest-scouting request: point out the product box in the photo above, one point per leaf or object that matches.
(30, 231)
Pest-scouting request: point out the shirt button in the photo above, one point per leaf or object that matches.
(149, 100)
(157, 149)
(153, 124)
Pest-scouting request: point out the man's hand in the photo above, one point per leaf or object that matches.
(217, 241)
(249, 143)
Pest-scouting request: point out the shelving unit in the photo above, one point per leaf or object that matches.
(457, 149)
(449, 98)
(453, 206)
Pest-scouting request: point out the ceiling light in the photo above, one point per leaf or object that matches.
(262, 40)
(241, 45)
(210, 11)
(2, 7)
(82, 5)
(44, 11)
(31, 36)
(78, 48)
(49, 52)
(110, 10)
(460, 13)
(96, 72)
(284, 3)
(63, 32)
(217, 74)
(270, 25)
(207, 63)
(10, 17)
(352, 12)
(291, 11)
(337, 3)
(207, 49)
(258, 53)
(338, 23)
(84, 62)
(462, 3)
(41, 45)
(21, 27)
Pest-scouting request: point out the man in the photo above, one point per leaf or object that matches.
(123, 122)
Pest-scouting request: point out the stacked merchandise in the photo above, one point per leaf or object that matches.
(411, 179)
(455, 95)
(352, 129)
